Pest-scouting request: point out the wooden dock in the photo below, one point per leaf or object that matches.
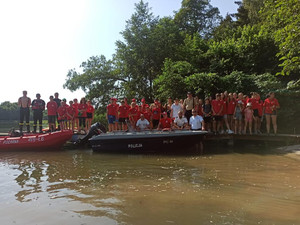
(279, 138)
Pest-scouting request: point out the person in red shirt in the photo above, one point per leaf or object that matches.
(271, 106)
(230, 110)
(82, 107)
(217, 108)
(52, 112)
(144, 105)
(133, 114)
(260, 112)
(255, 104)
(70, 116)
(62, 115)
(89, 115)
(112, 114)
(224, 100)
(165, 122)
(156, 114)
(75, 106)
(148, 115)
(123, 115)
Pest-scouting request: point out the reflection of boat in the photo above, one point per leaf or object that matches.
(148, 142)
(50, 141)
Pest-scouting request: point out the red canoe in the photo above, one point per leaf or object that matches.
(54, 140)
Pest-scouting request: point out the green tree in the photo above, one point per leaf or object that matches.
(282, 19)
(197, 16)
(97, 79)
(135, 56)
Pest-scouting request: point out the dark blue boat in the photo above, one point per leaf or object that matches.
(185, 141)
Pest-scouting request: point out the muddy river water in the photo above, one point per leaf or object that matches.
(82, 187)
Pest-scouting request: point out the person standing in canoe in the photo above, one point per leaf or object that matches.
(38, 107)
(24, 103)
(89, 115)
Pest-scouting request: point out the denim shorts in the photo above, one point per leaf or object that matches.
(238, 116)
(111, 119)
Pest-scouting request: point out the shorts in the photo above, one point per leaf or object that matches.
(155, 123)
(123, 120)
(207, 119)
(51, 119)
(89, 115)
(255, 113)
(238, 116)
(274, 113)
(218, 118)
(111, 119)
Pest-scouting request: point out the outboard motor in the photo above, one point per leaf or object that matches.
(96, 129)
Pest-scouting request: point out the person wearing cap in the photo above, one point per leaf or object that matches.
(135, 104)
(142, 123)
(180, 122)
(111, 114)
(134, 114)
(188, 105)
(248, 112)
(165, 122)
(89, 115)
(196, 122)
(70, 116)
(123, 115)
(156, 114)
(38, 106)
(24, 103)
(144, 105)
(148, 116)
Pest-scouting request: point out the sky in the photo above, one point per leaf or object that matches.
(41, 40)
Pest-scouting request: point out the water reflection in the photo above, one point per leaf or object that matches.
(122, 189)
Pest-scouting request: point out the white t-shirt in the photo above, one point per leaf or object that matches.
(196, 122)
(142, 124)
(180, 122)
(176, 109)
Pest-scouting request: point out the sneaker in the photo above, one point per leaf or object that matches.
(230, 132)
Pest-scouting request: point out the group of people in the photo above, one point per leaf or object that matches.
(226, 113)
(60, 114)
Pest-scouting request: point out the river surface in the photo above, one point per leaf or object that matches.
(82, 187)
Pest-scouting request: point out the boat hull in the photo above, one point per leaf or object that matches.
(151, 142)
(48, 141)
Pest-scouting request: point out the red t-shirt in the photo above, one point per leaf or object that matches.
(112, 109)
(165, 122)
(52, 108)
(144, 106)
(62, 112)
(75, 107)
(71, 113)
(84, 108)
(123, 111)
(254, 102)
(156, 113)
(260, 107)
(217, 106)
(147, 115)
(134, 114)
(269, 105)
(224, 111)
(90, 109)
(231, 106)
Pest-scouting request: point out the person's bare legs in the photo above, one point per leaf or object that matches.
(268, 123)
(250, 127)
(274, 122)
(245, 127)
